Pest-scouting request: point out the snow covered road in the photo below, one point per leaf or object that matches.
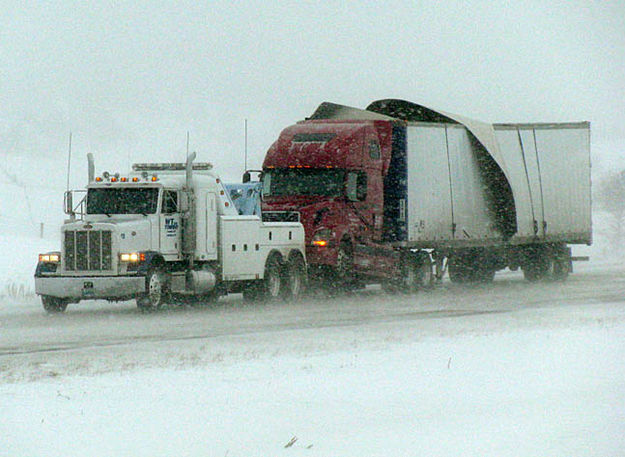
(509, 368)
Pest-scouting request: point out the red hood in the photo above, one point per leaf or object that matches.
(315, 213)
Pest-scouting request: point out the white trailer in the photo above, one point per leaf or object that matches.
(167, 232)
(543, 179)
(490, 196)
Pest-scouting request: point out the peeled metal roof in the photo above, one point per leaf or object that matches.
(401, 110)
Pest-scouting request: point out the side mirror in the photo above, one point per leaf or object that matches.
(246, 177)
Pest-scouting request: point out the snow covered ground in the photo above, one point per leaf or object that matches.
(507, 369)
(535, 392)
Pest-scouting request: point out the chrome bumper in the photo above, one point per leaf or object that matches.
(89, 287)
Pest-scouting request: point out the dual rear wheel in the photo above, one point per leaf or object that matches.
(416, 274)
(282, 281)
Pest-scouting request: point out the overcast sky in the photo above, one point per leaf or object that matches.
(129, 79)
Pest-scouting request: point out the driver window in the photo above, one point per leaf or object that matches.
(170, 201)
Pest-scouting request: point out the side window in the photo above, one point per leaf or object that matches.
(361, 188)
(170, 201)
(356, 186)
(374, 150)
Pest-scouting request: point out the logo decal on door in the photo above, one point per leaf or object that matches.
(171, 227)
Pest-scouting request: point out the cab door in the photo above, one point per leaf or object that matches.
(169, 225)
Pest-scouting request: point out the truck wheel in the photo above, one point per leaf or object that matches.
(416, 274)
(537, 265)
(295, 279)
(458, 270)
(425, 272)
(156, 291)
(560, 269)
(270, 288)
(484, 274)
(53, 304)
(272, 284)
(344, 265)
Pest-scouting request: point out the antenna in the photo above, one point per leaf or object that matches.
(187, 144)
(69, 158)
(245, 169)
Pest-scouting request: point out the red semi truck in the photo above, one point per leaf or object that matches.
(398, 193)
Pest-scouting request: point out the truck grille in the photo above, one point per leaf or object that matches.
(87, 250)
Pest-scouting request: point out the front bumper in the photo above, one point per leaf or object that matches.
(90, 287)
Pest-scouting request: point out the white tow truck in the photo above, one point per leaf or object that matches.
(167, 232)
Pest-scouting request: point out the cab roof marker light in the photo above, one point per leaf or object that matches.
(171, 166)
(135, 179)
(98, 179)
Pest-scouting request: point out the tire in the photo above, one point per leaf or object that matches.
(560, 269)
(295, 279)
(458, 270)
(345, 263)
(271, 287)
(538, 265)
(53, 305)
(484, 275)
(156, 291)
(416, 274)
(425, 272)
(273, 281)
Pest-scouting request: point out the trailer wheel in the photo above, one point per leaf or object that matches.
(560, 269)
(295, 279)
(458, 270)
(156, 291)
(53, 305)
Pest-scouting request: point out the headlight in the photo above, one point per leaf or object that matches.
(132, 257)
(322, 238)
(51, 257)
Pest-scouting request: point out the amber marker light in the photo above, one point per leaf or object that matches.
(320, 243)
(53, 258)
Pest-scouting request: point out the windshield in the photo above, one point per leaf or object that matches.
(308, 181)
(122, 201)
